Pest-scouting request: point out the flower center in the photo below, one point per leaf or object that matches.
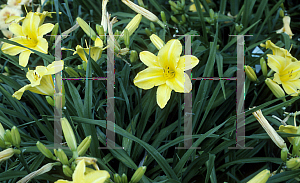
(36, 75)
(168, 73)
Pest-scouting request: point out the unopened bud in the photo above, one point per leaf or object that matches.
(71, 72)
(46, 152)
(126, 38)
(54, 32)
(148, 32)
(16, 139)
(62, 157)
(84, 145)
(7, 136)
(2, 131)
(152, 27)
(8, 153)
(264, 67)
(183, 18)
(174, 19)
(238, 27)
(2, 143)
(284, 153)
(100, 31)
(67, 171)
(133, 24)
(275, 88)
(69, 134)
(50, 100)
(262, 177)
(158, 43)
(73, 166)
(163, 16)
(6, 69)
(86, 28)
(211, 13)
(117, 178)
(173, 4)
(250, 73)
(133, 56)
(138, 174)
(281, 13)
(293, 163)
(124, 178)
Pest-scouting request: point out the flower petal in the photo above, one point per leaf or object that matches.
(55, 67)
(291, 72)
(46, 86)
(42, 45)
(33, 77)
(181, 82)
(187, 62)
(98, 42)
(16, 29)
(81, 53)
(149, 59)
(291, 87)
(163, 95)
(45, 28)
(98, 176)
(30, 25)
(18, 94)
(78, 175)
(24, 57)
(62, 181)
(169, 55)
(150, 77)
(276, 63)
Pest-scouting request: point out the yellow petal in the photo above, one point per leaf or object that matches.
(169, 55)
(30, 25)
(78, 175)
(286, 26)
(291, 72)
(24, 57)
(180, 83)
(12, 49)
(187, 62)
(149, 59)
(276, 63)
(98, 42)
(46, 86)
(81, 53)
(33, 77)
(276, 50)
(95, 53)
(150, 77)
(55, 67)
(42, 45)
(98, 176)
(163, 95)
(291, 87)
(18, 94)
(62, 181)
(288, 129)
(16, 29)
(44, 29)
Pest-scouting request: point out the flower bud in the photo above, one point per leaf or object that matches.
(138, 174)
(284, 153)
(100, 31)
(148, 32)
(158, 43)
(264, 67)
(275, 88)
(71, 72)
(6, 69)
(174, 10)
(183, 18)
(87, 160)
(250, 73)
(46, 152)
(174, 19)
(54, 32)
(86, 28)
(126, 38)
(262, 177)
(281, 13)
(69, 134)
(117, 178)
(50, 100)
(8, 153)
(15, 137)
(293, 163)
(152, 27)
(238, 27)
(2, 143)
(211, 13)
(73, 166)
(124, 178)
(133, 24)
(133, 56)
(84, 145)
(163, 16)
(7, 136)
(173, 4)
(67, 171)
(2, 131)
(62, 157)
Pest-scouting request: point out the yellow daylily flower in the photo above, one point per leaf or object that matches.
(166, 70)
(280, 51)
(30, 34)
(95, 51)
(286, 26)
(87, 175)
(287, 73)
(288, 129)
(41, 81)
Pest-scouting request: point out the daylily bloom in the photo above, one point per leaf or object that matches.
(166, 70)
(41, 80)
(30, 34)
(94, 51)
(286, 26)
(288, 129)
(17, 3)
(5, 13)
(87, 175)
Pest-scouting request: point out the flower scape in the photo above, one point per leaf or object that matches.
(126, 91)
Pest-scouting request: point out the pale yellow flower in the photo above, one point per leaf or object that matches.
(166, 70)
(17, 3)
(94, 52)
(41, 81)
(286, 26)
(7, 12)
(288, 129)
(30, 35)
(261, 177)
(87, 175)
